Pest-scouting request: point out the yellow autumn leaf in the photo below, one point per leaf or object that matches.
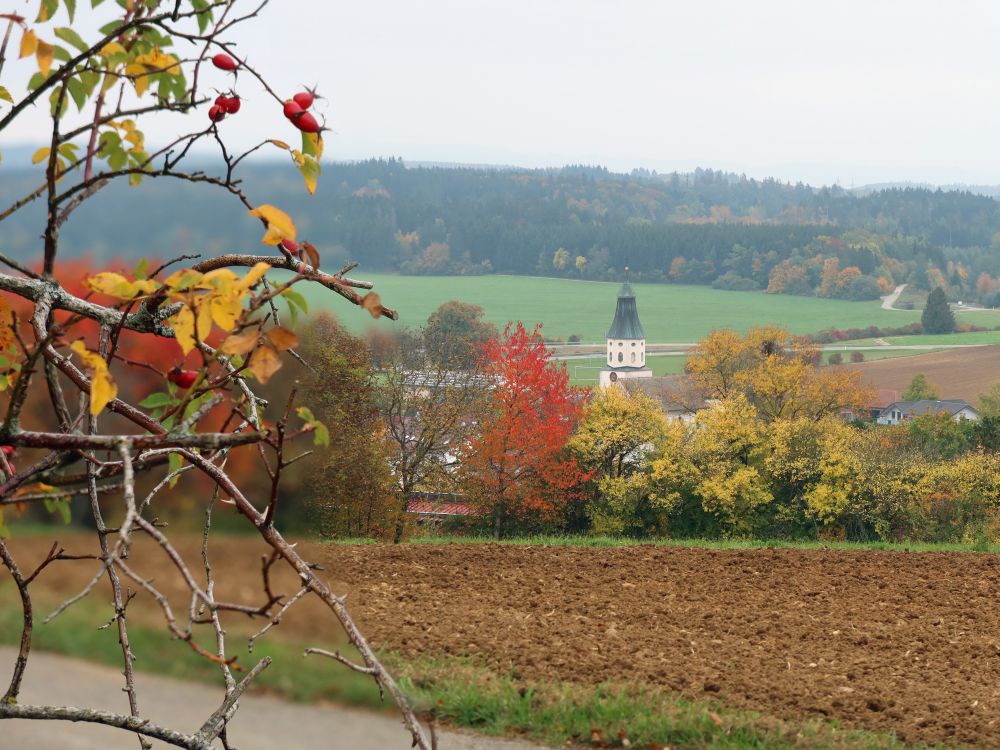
(240, 343)
(44, 54)
(204, 319)
(182, 279)
(221, 279)
(158, 61)
(183, 325)
(102, 388)
(116, 285)
(107, 282)
(29, 43)
(279, 224)
(264, 363)
(112, 48)
(145, 286)
(40, 155)
(140, 79)
(255, 274)
(225, 309)
(5, 95)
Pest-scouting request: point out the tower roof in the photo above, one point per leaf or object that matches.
(626, 324)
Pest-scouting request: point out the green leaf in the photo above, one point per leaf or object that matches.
(58, 505)
(297, 299)
(47, 9)
(321, 435)
(36, 80)
(4, 534)
(78, 91)
(71, 37)
(155, 400)
(5, 95)
(305, 414)
(70, 9)
(174, 462)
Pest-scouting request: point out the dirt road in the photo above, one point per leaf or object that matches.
(263, 723)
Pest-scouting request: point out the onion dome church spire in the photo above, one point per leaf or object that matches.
(626, 353)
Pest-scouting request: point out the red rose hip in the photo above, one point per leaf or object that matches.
(304, 99)
(306, 123)
(224, 62)
(182, 378)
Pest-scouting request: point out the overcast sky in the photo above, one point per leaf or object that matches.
(848, 91)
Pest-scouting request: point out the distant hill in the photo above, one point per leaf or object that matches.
(580, 221)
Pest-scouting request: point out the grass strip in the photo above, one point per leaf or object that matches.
(735, 544)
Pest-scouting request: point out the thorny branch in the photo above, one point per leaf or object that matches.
(113, 459)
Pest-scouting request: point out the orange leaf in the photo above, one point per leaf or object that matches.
(282, 338)
(44, 54)
(312, 252)
(264, 363)
(240, 343)
(6, 324)
(373, 304)
(29, 43)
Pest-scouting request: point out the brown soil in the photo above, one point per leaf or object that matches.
(901, 642)
(958, 373)
(885, 641)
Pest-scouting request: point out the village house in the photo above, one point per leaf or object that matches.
(899, 412)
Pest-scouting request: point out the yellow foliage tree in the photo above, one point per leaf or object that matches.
(617, 439)
(775, 372)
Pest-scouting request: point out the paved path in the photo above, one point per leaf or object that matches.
(890, 299)
(262, 723)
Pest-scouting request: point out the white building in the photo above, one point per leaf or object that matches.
(901, 411)
(626, 354)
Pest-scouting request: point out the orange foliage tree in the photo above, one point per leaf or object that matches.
(516, 468)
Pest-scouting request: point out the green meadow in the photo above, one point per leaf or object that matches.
(670, 312)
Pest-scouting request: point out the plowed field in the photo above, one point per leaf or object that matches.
(882, 640)
(904, 642)
(958, 373)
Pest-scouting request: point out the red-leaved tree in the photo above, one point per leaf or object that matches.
(516, 470)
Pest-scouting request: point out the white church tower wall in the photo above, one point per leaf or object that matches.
(626, 342)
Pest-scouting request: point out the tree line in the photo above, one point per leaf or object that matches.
(774, 445)
(706, 227)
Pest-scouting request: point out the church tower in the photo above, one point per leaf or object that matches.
(626, 353)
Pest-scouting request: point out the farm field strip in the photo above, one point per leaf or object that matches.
(669, 312)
